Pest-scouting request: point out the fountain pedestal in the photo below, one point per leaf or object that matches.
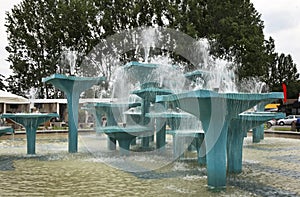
(31, 123)
(215, 111)
(72, 86)
(237, 129)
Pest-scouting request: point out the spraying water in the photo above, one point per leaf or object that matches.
(149, 38)
(69, 58)
(32, 94)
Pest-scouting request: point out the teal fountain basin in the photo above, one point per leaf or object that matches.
(30, 121)
(124, 134)
(140, 72)
(215, 111)
(150, 90)
(112, 112)
(72, 86)
(5, 129)
(194, 75)
(236, 132)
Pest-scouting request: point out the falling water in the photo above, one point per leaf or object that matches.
(252, 85)
(217, 74)
(168, 75)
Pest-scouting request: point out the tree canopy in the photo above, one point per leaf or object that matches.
(2, 85)
(39, 31)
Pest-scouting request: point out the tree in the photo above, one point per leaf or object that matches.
(2, 85)
(284, 71)
(271, 61)
(237, 34)
(40, 31)
(287, 70)
(281, 69)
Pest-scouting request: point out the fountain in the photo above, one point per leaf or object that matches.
(125, 133)
(236, 132)
(148, 92)
(258, 132)
(215, 111)
(30, 121)
(144, 75)
(204, 104)
(140, 72)
(72, 86)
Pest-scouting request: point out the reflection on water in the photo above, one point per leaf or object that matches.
(270, 168)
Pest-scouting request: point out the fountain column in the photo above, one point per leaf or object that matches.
(145, 121)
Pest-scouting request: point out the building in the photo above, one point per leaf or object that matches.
(11, 103)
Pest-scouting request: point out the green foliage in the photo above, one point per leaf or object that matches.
(292, 88)
(281, 69)
(39, 31)
(2, 85)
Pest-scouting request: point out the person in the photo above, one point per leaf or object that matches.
(298, 124)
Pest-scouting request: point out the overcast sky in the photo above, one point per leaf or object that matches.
(6, 5)
(281, 19)
(282, 22)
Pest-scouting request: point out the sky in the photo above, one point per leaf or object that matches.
(6, 5)
(281, 20)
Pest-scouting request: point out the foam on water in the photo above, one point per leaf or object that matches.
(178, 190)
(193, 177)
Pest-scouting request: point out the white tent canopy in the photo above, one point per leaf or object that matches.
(7, 97)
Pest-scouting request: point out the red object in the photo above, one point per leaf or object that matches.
(284, 92)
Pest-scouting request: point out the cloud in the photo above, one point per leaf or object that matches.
(287, 41)
(5, 7)
(281, 20)
(278, 15)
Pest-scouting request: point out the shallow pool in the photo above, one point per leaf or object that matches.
(270, 168)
